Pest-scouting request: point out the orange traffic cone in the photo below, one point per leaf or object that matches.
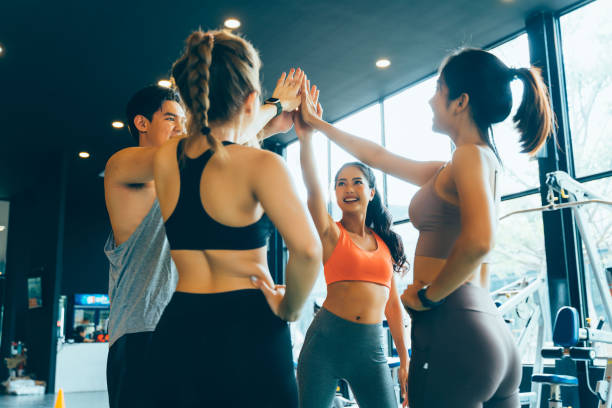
(59, 401)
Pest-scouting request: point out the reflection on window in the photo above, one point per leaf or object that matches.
(520, 172)
(519, 243)
(587, 40)
(365, 124)
(408, 120)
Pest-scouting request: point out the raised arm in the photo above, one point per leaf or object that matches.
(279, 198)
(132, 165)
(373, 154)
(287, 89)
(316, 196)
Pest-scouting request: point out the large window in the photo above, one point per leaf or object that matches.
(587, 41)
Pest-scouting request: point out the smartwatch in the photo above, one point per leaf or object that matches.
(427, 302)
(275, 101)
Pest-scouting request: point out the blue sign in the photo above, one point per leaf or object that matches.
(98, 300)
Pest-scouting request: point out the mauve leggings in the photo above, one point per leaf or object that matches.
(463, 355)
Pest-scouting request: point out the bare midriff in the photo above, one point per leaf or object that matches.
(213, 271)
(357, 301)
(427, 269)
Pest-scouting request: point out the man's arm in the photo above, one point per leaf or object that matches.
(133, 165)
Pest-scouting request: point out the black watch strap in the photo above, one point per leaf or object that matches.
(275, 101)
(427, 302)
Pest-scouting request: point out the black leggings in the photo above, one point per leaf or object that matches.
(463, 355)
(126, 369)
(222, 350)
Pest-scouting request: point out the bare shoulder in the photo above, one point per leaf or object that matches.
(114, 162)
(471, 158)
(262, 160)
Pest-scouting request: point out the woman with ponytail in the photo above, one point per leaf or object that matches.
(360, 255)
(463, 354)
(219, 200)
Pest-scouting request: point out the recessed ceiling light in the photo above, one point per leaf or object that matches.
(165, 83)
(383, 63)
(1, 49)
(117, 124)
(84, 155)
(232, 23)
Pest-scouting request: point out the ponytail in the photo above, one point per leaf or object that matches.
(534, 118)
(486, 79)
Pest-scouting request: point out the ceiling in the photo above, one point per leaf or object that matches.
(70, 66)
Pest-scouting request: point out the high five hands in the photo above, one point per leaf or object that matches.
(293, 90)
(309, 109)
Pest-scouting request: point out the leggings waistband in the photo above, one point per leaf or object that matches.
(328, 322)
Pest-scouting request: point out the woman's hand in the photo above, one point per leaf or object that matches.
(280, 124)
(302, 129)
(274, 296)
(402, 376)
(287, 90)
(310, 108)
(410, 298)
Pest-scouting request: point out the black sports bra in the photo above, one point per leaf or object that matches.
(191, 227)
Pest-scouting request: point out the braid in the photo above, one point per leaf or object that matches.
(215, 75)
(199, 58)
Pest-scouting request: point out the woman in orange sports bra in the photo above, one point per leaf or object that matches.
(360, 255)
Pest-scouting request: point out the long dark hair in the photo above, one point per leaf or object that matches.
(486, 80)
(379, 219)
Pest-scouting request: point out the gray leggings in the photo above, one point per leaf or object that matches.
(463, 355)
(336, 348)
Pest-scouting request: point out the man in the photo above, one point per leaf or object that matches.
(142, 276)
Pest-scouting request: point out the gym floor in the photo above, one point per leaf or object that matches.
(73, 400)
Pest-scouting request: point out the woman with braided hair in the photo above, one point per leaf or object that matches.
(463, 354)
(219, 200)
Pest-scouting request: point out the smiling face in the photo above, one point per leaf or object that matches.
(353, 194)
(442, 116)
(167, 122)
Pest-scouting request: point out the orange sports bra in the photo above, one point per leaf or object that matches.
(348, 262)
